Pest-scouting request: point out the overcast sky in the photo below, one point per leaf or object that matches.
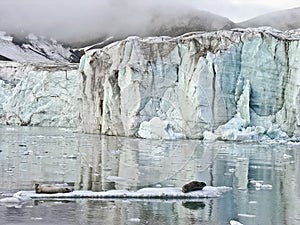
(61, 17)
(239, 10)
(236, 10)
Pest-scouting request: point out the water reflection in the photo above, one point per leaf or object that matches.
(90, 162)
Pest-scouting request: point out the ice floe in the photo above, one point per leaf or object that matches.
(15, 201)
(163, 193)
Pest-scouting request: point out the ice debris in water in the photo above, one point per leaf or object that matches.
(137, 220)
(16, 198)
(259, 184)
(16, 201)
(233, 222)
(286, 156)
(246, 215)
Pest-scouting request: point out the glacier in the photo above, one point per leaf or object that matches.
(35, 94)
(235, 84)
(230, 85)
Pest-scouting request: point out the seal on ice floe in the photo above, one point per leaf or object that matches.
(48, 189)
(193, 186)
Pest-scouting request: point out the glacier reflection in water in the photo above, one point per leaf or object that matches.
(264, 176)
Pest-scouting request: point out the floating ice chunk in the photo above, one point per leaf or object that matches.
(16, 201)
(276, 133)
(231, 170)
(137, 220)
(157, 128)
(9, 200)
(233, 222)
(266, 186)
(21, 196)
(286, 156)
(246, 215)
(72, 156)
(259, 184)
(256, 181)
(252, 202)
(36, 218)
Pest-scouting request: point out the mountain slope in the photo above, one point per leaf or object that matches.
(282, 20)
(32, 49)
(168, 24)
(187, 21)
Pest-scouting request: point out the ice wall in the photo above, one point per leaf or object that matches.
(232, 85)
(39, 94)
(229, 85)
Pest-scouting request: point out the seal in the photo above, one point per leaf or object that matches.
(48, 189)
(193, 186)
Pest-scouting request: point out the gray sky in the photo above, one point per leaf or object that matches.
(67, 17)
(240, 10)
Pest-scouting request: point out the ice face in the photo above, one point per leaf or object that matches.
(39, 95)
(229, 85)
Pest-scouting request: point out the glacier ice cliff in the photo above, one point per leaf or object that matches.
(231, 85)
(39, 94)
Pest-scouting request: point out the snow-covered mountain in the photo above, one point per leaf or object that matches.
(282, 20)
(166, 24)
(188, 21)
(32, 49)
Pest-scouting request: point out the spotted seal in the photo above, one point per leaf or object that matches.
(193, 186)
(48, 189)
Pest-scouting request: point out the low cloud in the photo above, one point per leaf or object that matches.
(70, 20)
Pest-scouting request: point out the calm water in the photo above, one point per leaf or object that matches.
(90, 162)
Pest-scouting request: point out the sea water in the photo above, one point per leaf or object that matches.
(264, 177)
